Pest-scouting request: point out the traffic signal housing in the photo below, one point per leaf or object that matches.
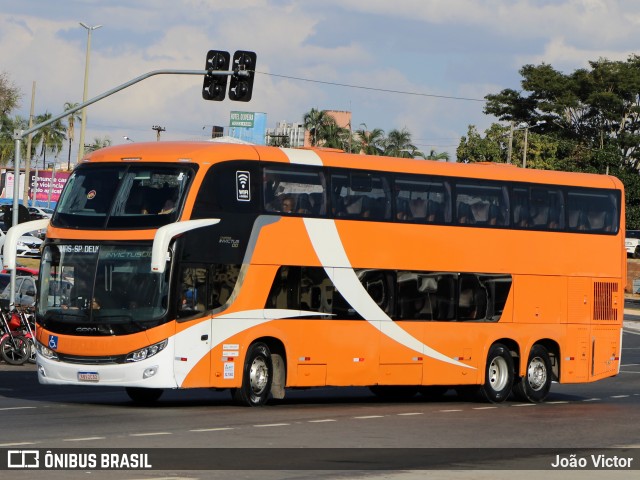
(244, 66)
(214, 86)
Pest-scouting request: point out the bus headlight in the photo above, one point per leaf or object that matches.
(146, 352)
(46, 352)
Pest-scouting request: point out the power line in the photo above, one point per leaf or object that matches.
(361, 87)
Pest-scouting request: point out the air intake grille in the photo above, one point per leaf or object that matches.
(603, 306)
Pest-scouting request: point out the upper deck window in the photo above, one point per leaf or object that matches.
(122, 196)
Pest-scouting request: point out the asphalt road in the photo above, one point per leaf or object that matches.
(583, 417)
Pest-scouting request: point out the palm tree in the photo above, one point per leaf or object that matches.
(317, 122)
(71, 121)
(398, 144)
(9, 125)
(50, 138)
(370, 142)
(433, 155)
(98, 143)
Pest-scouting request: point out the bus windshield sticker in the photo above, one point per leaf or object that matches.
(243, 193)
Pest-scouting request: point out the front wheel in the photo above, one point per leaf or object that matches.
(257, 376)
(498, 377)
(144, 396)
(15, 349)
(536, 383)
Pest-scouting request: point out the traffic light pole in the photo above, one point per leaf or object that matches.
(18, 135)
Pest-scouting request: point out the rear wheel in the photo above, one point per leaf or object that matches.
(498, 378)
(536, 383)
(257, 376)
(15, 349)
(144, 395)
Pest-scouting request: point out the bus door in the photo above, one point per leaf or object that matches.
(192, 356)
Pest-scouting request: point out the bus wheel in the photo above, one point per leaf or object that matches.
(498, 377)
(144, 395)
(536, 383)
(257, 376)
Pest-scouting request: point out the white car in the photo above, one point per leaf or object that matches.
(632, 242)
(28, 245)
(41, 211)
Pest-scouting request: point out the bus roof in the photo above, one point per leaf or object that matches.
(207, 153)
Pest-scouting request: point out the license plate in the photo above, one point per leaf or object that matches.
(88, 377)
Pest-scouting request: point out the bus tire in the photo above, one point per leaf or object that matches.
(534, 386)
(257, 376)
(498, 375)
(144, 396)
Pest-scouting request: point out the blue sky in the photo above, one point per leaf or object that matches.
(445, 48)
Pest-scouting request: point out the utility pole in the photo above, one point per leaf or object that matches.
(27, 160)
(158, 129)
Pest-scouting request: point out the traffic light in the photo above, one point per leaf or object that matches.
(215, 86)
(244, 66)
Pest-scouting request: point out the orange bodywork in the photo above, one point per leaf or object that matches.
(551, 299)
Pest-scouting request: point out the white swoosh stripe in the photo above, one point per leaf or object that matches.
(302, 157)
(328, 246)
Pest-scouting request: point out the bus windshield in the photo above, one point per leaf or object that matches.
(111, 285)
(122, 196)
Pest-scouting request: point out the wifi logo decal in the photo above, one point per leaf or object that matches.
(243, 192)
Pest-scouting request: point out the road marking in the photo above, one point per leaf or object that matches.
(449, 411)
(411, 413)
(272, 425)
(150, 434)
(484, 408)
(558, 402)
(323, 420)
(218, 429)
(16, 444)
(591, 399)
(85, 439)
(619, 396)
(368, 416)
(524, 405)
(16, 408)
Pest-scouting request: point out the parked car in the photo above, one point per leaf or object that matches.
(28, 244)
(632, 242)
(25, 290)
(40, 212)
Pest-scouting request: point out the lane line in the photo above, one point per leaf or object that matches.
(17, 444)
(16, 408)
(323, 420)
(150, 434)
(272, 425)
(412, 413)
(217, 429)
(368, 417)
(85, 439)
(449, 411)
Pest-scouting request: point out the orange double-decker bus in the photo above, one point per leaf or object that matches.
(256, 269)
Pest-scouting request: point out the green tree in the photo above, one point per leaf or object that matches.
(369, 142)
(7, 143)
(50, 138)
(317, 122)
(98, 143)
(10, 95)
(398, 144)
(71, 122)
(433, 155)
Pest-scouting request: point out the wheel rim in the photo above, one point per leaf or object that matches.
(498, 374)
(537, 374)
(258, 376)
